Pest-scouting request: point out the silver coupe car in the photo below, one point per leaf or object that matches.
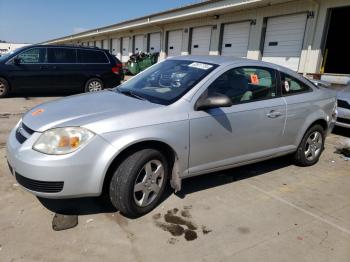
(343, 118)
(182, 117)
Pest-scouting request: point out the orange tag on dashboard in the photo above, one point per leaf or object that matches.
(254, 79)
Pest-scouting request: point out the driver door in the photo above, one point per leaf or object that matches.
(32, 72)
(251, 128)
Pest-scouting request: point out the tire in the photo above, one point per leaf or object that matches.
(311, 146)
(135, 191)
(4, 88)
(93, 85)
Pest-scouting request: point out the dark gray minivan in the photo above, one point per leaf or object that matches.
(58, 68)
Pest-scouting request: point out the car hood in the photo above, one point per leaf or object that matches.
(344, 94)
(85, 109)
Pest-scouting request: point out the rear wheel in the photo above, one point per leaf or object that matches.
(4, 87)
(93, 85)
(139, 182)
(311, 146)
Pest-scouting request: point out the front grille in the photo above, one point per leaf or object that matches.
(343, 104)
(27, 129)
(39, 186)
(20, 138)
(343, 120)
(23, 133)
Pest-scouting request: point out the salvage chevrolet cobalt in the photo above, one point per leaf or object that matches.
(182, 117)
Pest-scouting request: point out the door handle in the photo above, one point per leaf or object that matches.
(44, 67)
(273, 114)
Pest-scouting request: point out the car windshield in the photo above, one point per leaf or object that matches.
(5, 56)
(166, 82)
(8, 54)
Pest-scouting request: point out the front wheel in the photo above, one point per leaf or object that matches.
(4, 87)
(93, 85)
(311, 146)
(139, 182)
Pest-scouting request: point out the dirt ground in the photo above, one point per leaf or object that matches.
(271, 211)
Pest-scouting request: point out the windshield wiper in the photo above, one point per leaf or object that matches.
(131, 94)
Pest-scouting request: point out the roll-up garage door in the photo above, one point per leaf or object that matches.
(91, 43)
(98, 43)
(235, 39)
(125, 50)
(154, 43)
(105, 44)
(200, 41)
(116, 47)
(284, 40)
(174, 43)
(138, 43)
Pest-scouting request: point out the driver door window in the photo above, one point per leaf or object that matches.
(245, 84)
(33, 56)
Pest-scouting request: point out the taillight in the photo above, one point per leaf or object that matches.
(117, 69)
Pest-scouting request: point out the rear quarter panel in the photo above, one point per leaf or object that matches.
(303, 110)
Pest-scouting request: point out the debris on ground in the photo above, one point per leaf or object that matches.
(89, 221)
(205, 230)
(63, 222)
(343, 148)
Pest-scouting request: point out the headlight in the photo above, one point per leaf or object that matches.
(60, 141)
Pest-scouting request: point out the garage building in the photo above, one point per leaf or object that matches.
(304, 35)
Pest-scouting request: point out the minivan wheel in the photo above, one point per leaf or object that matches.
(4, 87)
(93, 85)
(139, 182)
(311, 146)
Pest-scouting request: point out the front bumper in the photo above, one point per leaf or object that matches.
(343, 119)
(78, 174)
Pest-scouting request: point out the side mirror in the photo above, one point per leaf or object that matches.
(17, 61)
(215, 101)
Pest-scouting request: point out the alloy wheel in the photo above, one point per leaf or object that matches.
(148, 183)
(95, 86)
(2, 88)
(313, 146)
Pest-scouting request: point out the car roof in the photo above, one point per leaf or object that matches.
(67, 46)
(230, 60)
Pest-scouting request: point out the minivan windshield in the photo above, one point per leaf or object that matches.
(8, 54)
(166, 82)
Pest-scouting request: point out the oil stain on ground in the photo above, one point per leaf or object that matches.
(179, 224)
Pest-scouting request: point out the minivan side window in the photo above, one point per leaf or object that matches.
(92, 57)
(62, 55)
(291, 85)
(33, 56)
(245, 84)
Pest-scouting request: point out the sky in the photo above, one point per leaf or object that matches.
(34, 21)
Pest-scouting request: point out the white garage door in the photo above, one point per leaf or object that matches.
(174, 43)
(200, 40)
(284, 40)
(138, 43)
(98, 44)
(105, 44)
(116, 47)
(91, 43)
(125, 50)
(154, 43)
(235, 39)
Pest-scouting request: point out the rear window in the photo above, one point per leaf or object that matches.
(62, 55)
(92, 57)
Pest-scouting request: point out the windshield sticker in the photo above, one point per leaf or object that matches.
(200, 65)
